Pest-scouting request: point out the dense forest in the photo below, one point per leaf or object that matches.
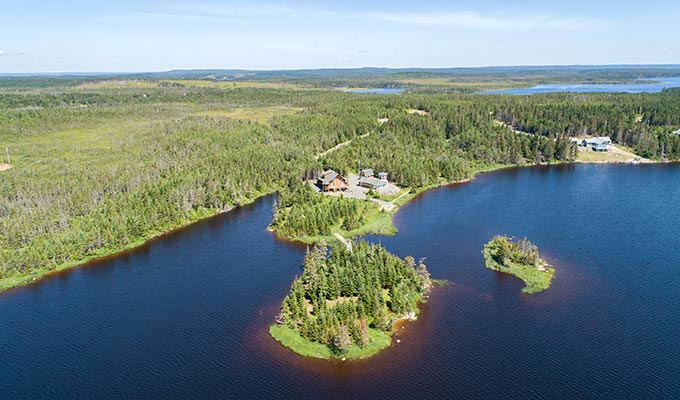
(341, 296)
(451, 141)
(100, 166)
(301, 212)
(642, 121)
(92, 177)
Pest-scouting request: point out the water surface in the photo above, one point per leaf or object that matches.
(663, 83)
(186, 316)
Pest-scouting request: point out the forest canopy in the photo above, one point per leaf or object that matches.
(343, 300)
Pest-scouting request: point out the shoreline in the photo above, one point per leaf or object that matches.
(383, 340)
(10, 283)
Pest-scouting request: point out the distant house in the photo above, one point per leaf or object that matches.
(331, 181)
(382, 176)
(677, 132)
(600, 143)
(366, 173)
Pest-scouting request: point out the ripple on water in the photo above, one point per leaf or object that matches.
(186, 316)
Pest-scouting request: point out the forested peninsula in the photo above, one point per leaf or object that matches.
(345, 302)
(97, 166)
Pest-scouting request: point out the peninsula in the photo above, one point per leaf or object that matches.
(100, 165)
(345, 303)
(521, 259)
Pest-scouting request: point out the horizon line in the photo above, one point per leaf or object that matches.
(526, 66)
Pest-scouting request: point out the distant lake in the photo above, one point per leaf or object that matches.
(376, 90)
(186, 316)
(591, 88)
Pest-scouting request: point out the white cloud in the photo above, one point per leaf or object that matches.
(201, 11)
(242, 9)
(12, 53)
(475, 20)
(455, 19)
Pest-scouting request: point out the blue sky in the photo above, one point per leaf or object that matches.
(124, 35)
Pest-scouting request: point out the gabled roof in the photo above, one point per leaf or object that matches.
(367, 172)
(328, 176)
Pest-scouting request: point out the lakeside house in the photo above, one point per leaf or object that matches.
(331, 181)
(367, 179)
(599, 143)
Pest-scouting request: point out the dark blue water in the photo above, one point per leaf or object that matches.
(664, 83)
(186, 316)
(377, 90)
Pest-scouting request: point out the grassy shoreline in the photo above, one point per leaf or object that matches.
(520, 259)
(287, 337)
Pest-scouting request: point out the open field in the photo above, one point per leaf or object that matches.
(255, 114)
(615, 154)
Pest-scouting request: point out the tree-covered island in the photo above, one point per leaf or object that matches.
(521, 259)
(345, 302)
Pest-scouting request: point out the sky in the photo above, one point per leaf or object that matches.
(160, 35)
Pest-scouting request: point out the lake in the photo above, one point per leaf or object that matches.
(186, 315)
(664, 83)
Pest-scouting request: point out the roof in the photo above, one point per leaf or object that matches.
(598, 140)
(374, 182)
(367, 172)
(328, 176)
(677, 132)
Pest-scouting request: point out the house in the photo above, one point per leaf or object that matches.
(677, 132)
(331, 181)
(600, 143)
(366, 173)
(382, 176)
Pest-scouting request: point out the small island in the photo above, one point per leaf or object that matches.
(521, 259)
(345, 303)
